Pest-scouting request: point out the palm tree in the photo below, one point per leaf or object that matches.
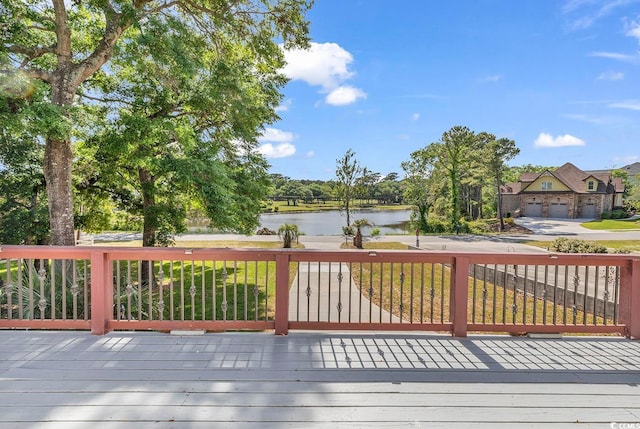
(359, 224)
(287, 233)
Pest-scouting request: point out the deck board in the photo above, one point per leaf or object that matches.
(145, 380)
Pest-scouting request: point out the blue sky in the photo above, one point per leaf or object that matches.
(384, 78)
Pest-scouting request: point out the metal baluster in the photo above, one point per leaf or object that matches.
(308, 290)
(360, 294)
(75, 289)
(442, 287)
(370, 292)
(411, 297)
(555, 295)
(266, 294)
(203, 290)
(605, 296)
(129, 290)
(86, 289)
(564, 294)
(535, 295)
(432, 291)
(20, 289)
(223, 304)
(586, 293)
(401, 306)
(297, 292)
(504, 295)
(42, 275)
(525, 296)
(192, 290)
(616, 290)
(150, 286)
(350, 288)
(595, 295)
(52, 289)
(319, 292)
(329, 292)
(31, 267)
(182, 297)
(161, 303)
(514, 305)
(119, 311)
(63, 288)
(422, 292)
(485, 294)
(172, 307)
(140, 290)
(576, 283)
(473, 294)
(246, 291)
(381, 306)
(256, 291)
(339, 306)
(495, 293)
(544, 295)
(391, 295)
(214, 295)
(235, 290)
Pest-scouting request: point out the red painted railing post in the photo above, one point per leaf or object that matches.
(459, 295)
(101, 292)
(282, 293)
(630, 298)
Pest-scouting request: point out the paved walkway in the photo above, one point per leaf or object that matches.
(326, 292)
(73, 380)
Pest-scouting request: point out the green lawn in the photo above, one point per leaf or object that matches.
(632, 245)
(612, 224)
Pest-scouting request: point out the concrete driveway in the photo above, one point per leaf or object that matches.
(548, 226)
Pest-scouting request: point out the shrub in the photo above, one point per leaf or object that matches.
(572, 245)
(375, 232)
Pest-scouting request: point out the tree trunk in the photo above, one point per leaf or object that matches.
(149, 229)
(500, 215)
(357, 239)
(58, 159)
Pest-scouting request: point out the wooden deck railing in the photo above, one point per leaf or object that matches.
(107, 288)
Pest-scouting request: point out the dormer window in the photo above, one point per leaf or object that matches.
(591, 185)
(546, 186)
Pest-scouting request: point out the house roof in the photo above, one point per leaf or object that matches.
(576, 179)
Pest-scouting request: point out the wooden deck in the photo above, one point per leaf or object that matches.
(68, 380)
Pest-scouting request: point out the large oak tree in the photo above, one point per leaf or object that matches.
(65, 45)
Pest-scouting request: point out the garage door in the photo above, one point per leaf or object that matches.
(533, 209)
(589, 211)
(560, 210)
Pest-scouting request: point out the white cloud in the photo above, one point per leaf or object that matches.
(325, 65)
(616, 56)
(283, 150)
(626, 104)
(415, 116)
(276, 135)
(633, 30)
(492, 78)
(344, 95)
(284, 106)
(590, 11)
(624, 160)
(611, 75)
(547, 140)
(310, 154)
(598, 120)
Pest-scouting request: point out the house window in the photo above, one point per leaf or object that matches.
(591, 185)
(546, 186)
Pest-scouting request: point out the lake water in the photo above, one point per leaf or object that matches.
(330, 222)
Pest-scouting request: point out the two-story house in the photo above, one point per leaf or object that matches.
(566, 192)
